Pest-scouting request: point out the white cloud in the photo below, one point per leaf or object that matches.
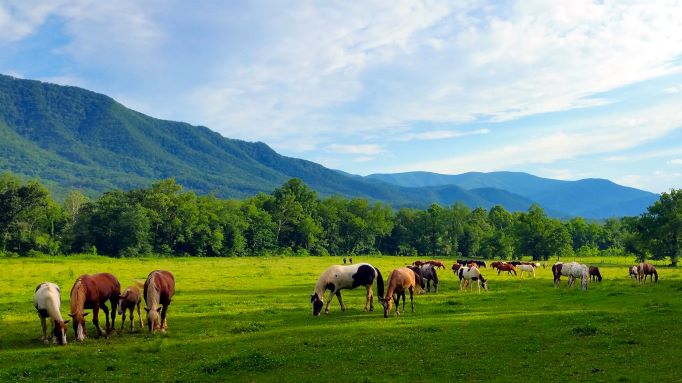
(366, 150)
(439, 135)
(676, 161)
(673, 89)
(19, 19)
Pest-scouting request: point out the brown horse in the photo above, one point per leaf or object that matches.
(508, 267)
(418, 263)
(159, 288)
(130, 299)
(456, 267)
(398, 281)
(496, 264)
(644, 269)
(437, 264)
(595, 274)
(92, 292)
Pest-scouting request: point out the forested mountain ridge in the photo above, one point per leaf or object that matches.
(72, 138)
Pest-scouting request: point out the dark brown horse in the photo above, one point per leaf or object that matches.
(644, 269)
(496, 264)
(418, 263)
(508, 267)
(92, 292)
(437, 264)
(595, 274)
(158, 291)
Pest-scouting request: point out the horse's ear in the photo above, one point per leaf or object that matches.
(71, 315)
(67, 321)
(158, 310)
(146, 309)
(86, 314)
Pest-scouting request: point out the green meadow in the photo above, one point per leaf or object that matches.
(249, 320)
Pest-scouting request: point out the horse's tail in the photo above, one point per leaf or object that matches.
(380, 283)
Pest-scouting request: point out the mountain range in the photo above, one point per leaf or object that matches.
(72, 138)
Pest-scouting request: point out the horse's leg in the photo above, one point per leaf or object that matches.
(123, 317)
(95, 318)
(338, 296)
(411, 299)
(114, 306)
(106, 316)
(164, 324)
(139, 316)
(369, 304)
(132, 319)
(329, 300)
(44, 324)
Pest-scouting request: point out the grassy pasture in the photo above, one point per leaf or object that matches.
(249, 319)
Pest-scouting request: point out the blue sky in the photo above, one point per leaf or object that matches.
(563, 89)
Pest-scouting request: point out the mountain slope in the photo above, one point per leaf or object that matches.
(74, 138)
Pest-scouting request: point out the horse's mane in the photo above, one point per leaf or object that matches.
(153, 295)
(77, 297)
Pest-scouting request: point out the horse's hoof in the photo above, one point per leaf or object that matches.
(326, 312)
(45, 341)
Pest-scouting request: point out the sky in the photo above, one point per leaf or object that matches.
(561, 89)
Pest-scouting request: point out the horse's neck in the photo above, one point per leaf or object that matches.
(78, 297)
(153, 295)
(321, 285)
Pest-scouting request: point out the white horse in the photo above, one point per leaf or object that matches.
(47, 300)
(467, 274)
(338, 277)
(576, 270)
(530, 269)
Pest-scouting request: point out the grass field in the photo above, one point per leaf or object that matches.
(249, 319)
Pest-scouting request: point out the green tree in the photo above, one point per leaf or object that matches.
(662, 227)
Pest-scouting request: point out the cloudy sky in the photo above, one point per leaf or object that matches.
(562, 89)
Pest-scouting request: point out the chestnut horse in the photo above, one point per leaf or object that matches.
(595, 274)
(130, 299)
(496, 264)
(159, 288)
(508, 267)
(436, 264)
(398, 281)
(92, 292)
(47, 301)
(644, 269)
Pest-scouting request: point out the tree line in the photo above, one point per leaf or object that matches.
(292, 220)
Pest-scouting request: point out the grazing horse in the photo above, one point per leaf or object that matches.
(418, 263)
(436, 264)
(634, 274)
(508, 267)
(92, 292)
(530, 269)
(337, 278)
(159, 288)
(47, 300)
(644, 269)
(400, 280)
(130, 299)
(572, 270)
(468, 274)
(595, 275)
(455, 267)
(496, 264)
(428, 273)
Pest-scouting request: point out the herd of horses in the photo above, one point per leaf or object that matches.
(417, 278)
(92, 292)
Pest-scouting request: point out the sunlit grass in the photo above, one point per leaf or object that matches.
(249, 319)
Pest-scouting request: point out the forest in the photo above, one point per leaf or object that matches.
(165, 220)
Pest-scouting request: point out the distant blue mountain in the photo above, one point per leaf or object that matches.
(589, 198)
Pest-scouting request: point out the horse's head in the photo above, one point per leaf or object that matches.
(484, 283)
(59, 331)
(153, 319)
(79, 324)
(317, 302)
(121, 302)
(388, 305)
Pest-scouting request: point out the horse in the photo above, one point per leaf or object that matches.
(159, 288)
(47, 300)
(515, 263)
(634, 273)
(428, 273)
(436, 264)
(337, 278)
(530, 269)
(127, 301)
(400, 280)
(572, 270)
(344, 260)
(418, 263)
(508, 267)
(92, 292)
(455, 267)
(644, 269)
(496, 264)
(595, 275)
(468, 274)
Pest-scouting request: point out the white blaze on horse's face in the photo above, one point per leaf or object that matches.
(80, 333)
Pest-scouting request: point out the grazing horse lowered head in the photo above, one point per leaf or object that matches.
(467, 274)
(400, 280)
(92, 292)
(337, 278)
(595, 274)
(529, 269)
(428, 273)
(47, 301)
(572, 270)
(128, 301)
(633, 272)
(644, 269)
(437, 264)
(159, 288)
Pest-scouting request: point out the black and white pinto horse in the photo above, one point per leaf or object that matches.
(337, 278)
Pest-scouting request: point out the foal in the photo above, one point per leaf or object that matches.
(128, 300)
(47, 301)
